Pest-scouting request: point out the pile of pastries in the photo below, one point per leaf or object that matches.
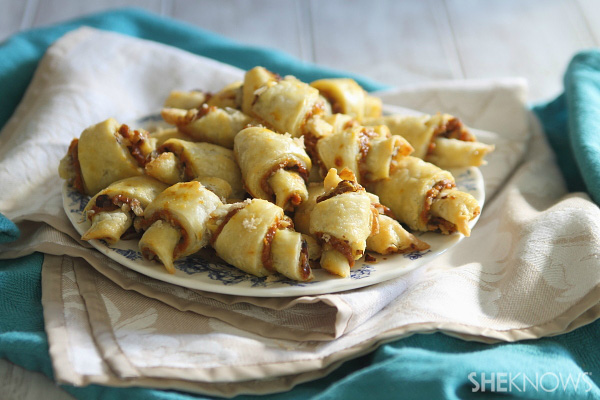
(278, 176)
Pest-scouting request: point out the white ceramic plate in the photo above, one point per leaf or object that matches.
(209, 274)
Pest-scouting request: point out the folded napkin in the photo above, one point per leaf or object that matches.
(509, 281)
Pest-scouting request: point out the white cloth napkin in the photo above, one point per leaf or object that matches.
(528, 270)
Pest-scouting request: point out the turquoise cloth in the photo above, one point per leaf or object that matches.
(431, 366)
(572, 124)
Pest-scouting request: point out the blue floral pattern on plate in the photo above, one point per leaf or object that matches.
(363, 272)
(201, 273)
(227, 274)
(466, 181)
(78, 201)
(415, 255)
(129, 254)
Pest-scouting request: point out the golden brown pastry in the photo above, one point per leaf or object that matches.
(185, 100)
(346, 96)
(113, 209)
(302, 212)
(424, 197)
(450, 153)
(440, 139)
(282, 104)
(393, 238)
(208, 123)
(274, 167)
(176, 222)
(366, 151)
(390, 237)
(104, 153)
(257, 237)
(161, 135)
(230, 96)
(373, 107)
(181, 160)
(342, 219)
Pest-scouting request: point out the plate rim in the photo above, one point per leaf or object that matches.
(181, 278)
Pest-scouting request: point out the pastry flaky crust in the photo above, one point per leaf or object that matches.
(208, 123)
(424, 197)
(185, 100)
(104, 153)
(441, 139)
(342, 219)
(282, 104)
(389, 237)
(392, 238)
(454, 153)
(274, 166)
(112, 210)
(266, 137)
(345, 96)
(181, 160)
(229, 96)
(366, 151)
(176, 222)
(257, 237)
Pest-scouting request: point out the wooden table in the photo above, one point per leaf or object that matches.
(397, 42)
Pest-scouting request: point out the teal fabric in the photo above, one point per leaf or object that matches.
(8, 231)
(421, 366)
(572, 123)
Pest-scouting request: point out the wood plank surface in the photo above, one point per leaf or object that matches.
(590, 11)
(395, 42)
(534, 39)
(53, 11)
(11, 17)
(267, 23)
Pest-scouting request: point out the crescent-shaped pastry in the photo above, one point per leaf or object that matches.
(176, 222)
(314, 248)
(341, 122)
(282, 104)
(303, 211)
(427, 133)
(208, 123)
(321, 126)
(454, 153)
(181, 160)
(373, 107)
(254, 79)
(424, 197)
(161, 135)
(104, 153)
(393, 238)
(230, 96)
(342, 219)
(366, 151)
(113, 209)
(256, 237)
(185, 100)
(390, 238)
(346, 96)
(274, 167)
